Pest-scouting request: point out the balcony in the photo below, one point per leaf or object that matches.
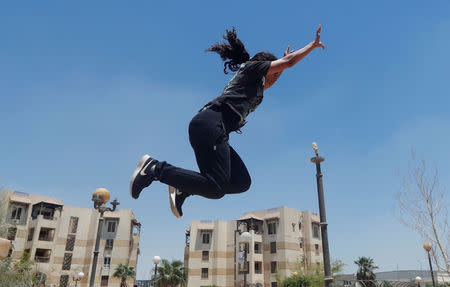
(48, 211)
(42, 255)
(46, 234)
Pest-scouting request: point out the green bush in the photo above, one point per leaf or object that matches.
(297, 281)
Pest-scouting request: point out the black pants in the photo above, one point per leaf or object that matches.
(221, 169)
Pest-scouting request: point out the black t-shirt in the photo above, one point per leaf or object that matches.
(244, 91)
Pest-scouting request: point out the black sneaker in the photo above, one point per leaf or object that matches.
(143, 176)
(176, 198)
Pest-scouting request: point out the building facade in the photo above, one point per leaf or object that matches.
(283, 240)
(61, 239)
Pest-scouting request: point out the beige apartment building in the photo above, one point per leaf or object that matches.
(61, 239)
(283, 240)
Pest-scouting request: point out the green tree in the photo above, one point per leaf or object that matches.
(365, 273)
(171, 274)
(124, 272)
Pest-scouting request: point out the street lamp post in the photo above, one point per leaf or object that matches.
(246, 237)
(427, 247)
(156, 260)
(418, 279)
(77, 277)
(323, 217)
(100, 197)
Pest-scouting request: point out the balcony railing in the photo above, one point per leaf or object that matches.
(45, 238)
(42, 259)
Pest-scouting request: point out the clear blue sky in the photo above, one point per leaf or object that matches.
(87, 88)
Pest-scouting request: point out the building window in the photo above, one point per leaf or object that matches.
(299, 225)
(301, 242)
(46, 234)
(70, 242)
(73, 224)
(104, 281)
(63, 280)
(315, 228)
(112, 226)
(42, 255)
(272, 227)
(273, 247)
(109, 244)
(205, 255)
(273, 267)
(258, 267)
(293, 227)
(204, 273)
(106, 261)
(316, 246)
(257, 247)
(12, 231)
(205, 238)
(67, 261)
(16, 212)
(274, 284)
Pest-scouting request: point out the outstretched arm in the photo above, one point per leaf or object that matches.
(293, 57)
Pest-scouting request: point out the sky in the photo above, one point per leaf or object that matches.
(87, 88)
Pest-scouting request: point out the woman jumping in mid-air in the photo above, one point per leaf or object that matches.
(221, 169)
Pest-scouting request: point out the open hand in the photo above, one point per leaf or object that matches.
(287, 52)
(317, 42)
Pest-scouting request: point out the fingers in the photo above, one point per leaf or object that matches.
(286, 52)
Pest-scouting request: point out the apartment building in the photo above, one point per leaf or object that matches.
(61, 239)
(282, 241)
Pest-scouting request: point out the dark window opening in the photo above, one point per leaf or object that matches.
(273, 267)
(205, 255)
(273, 247)
(204, 273)
(205, 238)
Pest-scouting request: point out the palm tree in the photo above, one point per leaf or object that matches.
(171, 274)
(124, 272)
(365, 271)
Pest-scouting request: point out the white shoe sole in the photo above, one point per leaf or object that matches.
(136, 172)
(173, 206)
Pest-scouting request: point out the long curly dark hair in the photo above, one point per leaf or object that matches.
(235, 51)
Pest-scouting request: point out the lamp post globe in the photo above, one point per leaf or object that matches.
(427, 246)
(101, 194)
(246, 236)
(156, 260)
(418, 279)
(77, 277)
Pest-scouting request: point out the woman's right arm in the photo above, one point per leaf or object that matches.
(293, 57)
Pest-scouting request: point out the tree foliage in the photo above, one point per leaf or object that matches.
(21, 273)
(365, 272)
(298, 280)
(311, 274)
(124, 272)
(171, 274)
